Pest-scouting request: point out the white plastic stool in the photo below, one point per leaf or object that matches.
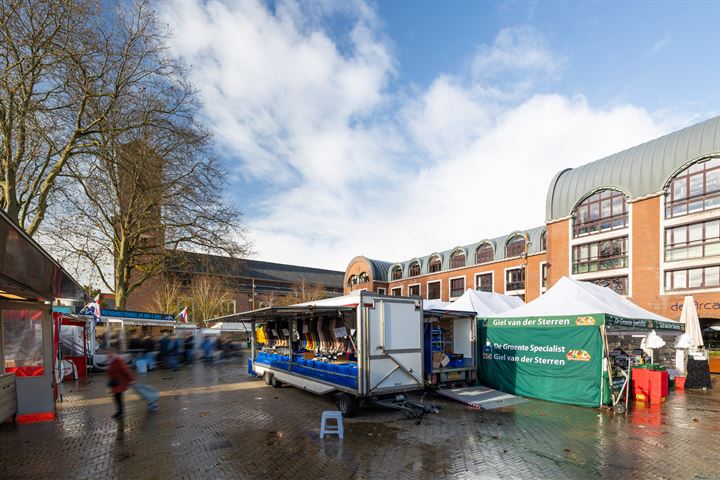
(327, 415)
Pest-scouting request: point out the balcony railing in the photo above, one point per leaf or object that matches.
(601, 263)
(602, 224)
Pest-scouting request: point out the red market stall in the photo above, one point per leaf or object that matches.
(30, 280)
(72, 338)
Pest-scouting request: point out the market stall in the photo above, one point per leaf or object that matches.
(117, 327)
(558, 346)
(450, 335)
(73, 340)
(30, 280)
(366, 347)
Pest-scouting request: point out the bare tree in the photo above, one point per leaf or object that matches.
(168, 297)
(303, 291)
(209, 298)
(67, 67)
(149, 185)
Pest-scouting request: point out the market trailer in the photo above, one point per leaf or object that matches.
(365, 346)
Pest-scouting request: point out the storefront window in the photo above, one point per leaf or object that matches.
(23, 342)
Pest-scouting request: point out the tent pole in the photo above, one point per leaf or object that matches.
(602, 374)
(606, 348)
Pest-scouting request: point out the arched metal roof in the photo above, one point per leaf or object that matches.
(638, 171)
(380, 269)
(498, 244)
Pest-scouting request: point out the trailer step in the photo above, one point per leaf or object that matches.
(484, 398)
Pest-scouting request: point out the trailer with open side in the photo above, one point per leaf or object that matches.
(364, 348)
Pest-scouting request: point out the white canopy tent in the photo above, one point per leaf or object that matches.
(434, 304)
(482, 303)
(573, 297)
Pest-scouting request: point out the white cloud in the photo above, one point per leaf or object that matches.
(353, 166)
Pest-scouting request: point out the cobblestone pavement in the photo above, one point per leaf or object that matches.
(217, 422)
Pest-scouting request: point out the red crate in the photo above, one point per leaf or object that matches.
(640, 382)
(658, 385)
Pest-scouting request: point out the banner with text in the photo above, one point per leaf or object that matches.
(552, 362)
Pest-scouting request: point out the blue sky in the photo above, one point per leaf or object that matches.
(656, 54)
(394, 129)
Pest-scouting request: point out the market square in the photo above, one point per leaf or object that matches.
(359, 239)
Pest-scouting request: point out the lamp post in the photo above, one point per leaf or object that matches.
(525, 264)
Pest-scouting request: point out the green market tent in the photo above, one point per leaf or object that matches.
(552, 347)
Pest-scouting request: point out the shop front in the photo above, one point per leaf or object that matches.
(30, 280)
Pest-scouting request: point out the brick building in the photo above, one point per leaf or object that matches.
(644, 221)
(248, 284)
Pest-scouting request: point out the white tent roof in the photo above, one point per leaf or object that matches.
(573, 297)
(232, 326)
(434, 304)
(483, 303)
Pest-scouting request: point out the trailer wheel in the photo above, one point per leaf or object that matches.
(347, 404)
(619, 408)
(267, 377)
(275, 383)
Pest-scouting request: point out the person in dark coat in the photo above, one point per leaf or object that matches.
(164, 347)
(148, 346)
(190, 349)
(119, 379)
(173, 352)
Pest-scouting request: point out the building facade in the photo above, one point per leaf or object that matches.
(241, 283)
(644, 222)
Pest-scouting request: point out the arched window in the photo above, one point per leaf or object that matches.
(363, 278)
(695, 189)
(414, 269)
(543, 241)
(435, 264)
(353, 280)
(515, 246)
(457, 259)
(484, 253)
(601, 211)
(396, 272)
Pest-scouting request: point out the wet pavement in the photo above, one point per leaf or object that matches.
(217, 422)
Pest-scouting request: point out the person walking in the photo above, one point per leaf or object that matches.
(190, 348)
(148, 345)
(207, 347)
(119, 379)
(173, 351)
(219, 346)
(164, 347)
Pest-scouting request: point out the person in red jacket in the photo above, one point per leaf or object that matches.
(120, 379)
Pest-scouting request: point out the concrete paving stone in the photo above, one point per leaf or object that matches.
(218, 422)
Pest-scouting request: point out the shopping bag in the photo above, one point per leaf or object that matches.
(146, 392)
